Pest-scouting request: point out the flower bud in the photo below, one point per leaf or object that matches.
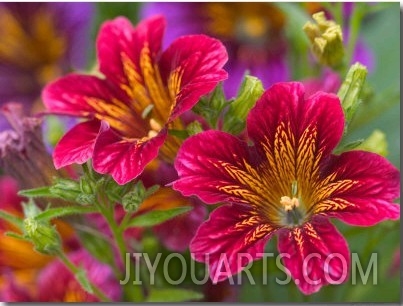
(66, 189)
(326, 38)
(132, 200)
(85, 185)
(194, 128)
(250, 91)
(350, 91)
(44, 236)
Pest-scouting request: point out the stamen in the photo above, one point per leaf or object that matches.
(155, 125)
(155, 128)
(152, 133)
(289, 203)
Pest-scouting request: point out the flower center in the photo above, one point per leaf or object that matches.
(288, 203)
(252, 31)
(32, 44)
(293, 214)
(155, 127)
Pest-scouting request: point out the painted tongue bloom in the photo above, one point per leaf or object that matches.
(143, 91)
(288, 183)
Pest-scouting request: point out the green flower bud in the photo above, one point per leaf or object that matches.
(326, 38)
(30, 209)
(132, 200)
(194, 128)
(85, 199)
(85, 186)
(66, 189)
(350, 91)
(44, 236)
(250, 91)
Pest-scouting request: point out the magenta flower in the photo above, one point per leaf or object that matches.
(253, 34)
(57, 284)
(39, 42)
(143, 91)
(288, 183)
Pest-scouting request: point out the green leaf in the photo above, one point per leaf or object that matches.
(96, 243)
(173, 295)
(151, 190)
(82, 279)
(348, 146)
(156, 217)
(16, 236)
(181, 134)
(11, 218)
(52, 213)
(37, 192)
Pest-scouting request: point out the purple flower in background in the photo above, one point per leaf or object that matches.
(252, 33)
(39, 42)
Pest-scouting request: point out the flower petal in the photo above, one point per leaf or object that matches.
(9, 201)
(315, 255)
(359, 188)
(295, 134)
(193, 67)
(79, 95)
(233, 237)
(118, 39)
(216, 166)
(89, 96)
(77, 145)
(124, 159)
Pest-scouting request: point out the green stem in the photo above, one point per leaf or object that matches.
(125, 220)
(11, 219)
(354, 29)
(76, 271)
(88, 173)
(338, 13)
(133, 291)
(106, 208)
